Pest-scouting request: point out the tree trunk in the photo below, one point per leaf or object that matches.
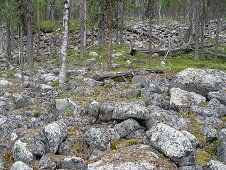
(92, 35)
(110, 49)
(21, 45)
(160, 9)
(83, 27)
(38, 25)
(150, 3)
(52, 9)
(8, 33)
(30, 35)
(121, 21)
(202, 26)
(197, 29)
(62, 74)
(217, 31)
(102, 21)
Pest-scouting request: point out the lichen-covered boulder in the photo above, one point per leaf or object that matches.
(219, 95)
(21, 152)
(126, 127)
(180, 99)
(46, 163)
(216, 165)
(94, 109)
(136, 157)
(172, 143)
(221, 152)
(214, 108)
(18, 165)
(50, 138)
(124, 111)
(209, 132)
(100, 137)
(73, 163)
(200, 81)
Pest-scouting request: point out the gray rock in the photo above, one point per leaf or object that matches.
(200, 81)
(221, 151)
(92, 82)
(4, 83)
(158, 100)
(126, 127)
(194, 141)
(209, 132)
(18, 165)
(169, 117)
(73, 163)
(172, 143)
(124, 111)
(99, 138)
(195, 167)
(21, 152)
(106, 110)
(136, 157)
(219, 95)
(216, 165)
(214, 108)
(209, 120)
(50, 138)
(140, 80)
(48, 77)
(46, 163)
(94, 109)
(181, 99)
(140, 135)
(22, 101)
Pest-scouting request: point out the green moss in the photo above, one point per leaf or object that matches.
(114, 145)
(69, 113)
(223, 118)
(212, 148)
(202, 157)
(196, 132)
(204, 105)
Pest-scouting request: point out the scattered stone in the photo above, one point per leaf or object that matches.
(73, 163)
(172, 143)
(181, 99)
(46, 163)
(18, 165)
(200, 81)
(136, 157)
(126, 127)
(219, 95)
(216, 165)
(21, 152)
(94, 109)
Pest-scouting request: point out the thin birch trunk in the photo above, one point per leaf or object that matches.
(38, 25)
(217, 31)
(83, 27)
(62, 74)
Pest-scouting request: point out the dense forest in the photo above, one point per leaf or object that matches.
(113, 84)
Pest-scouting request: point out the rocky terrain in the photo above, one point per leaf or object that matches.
(146, 121)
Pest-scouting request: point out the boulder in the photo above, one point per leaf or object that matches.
(216, 165)
(214, 108)
(50, 138)
(21, 152)
(73, 163)
(99, 138)
(181, 99)
(4, 83)
(18, 165)
(126, 127)
(172, 143)
(219, 95)
(46, 163)
(209, 132)
(221, 151)
(169, 117)
(124, 111)
(200, 81)
(94, 109)
(136, 157)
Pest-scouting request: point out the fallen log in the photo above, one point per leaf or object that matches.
(163, 51)
(124, 74)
